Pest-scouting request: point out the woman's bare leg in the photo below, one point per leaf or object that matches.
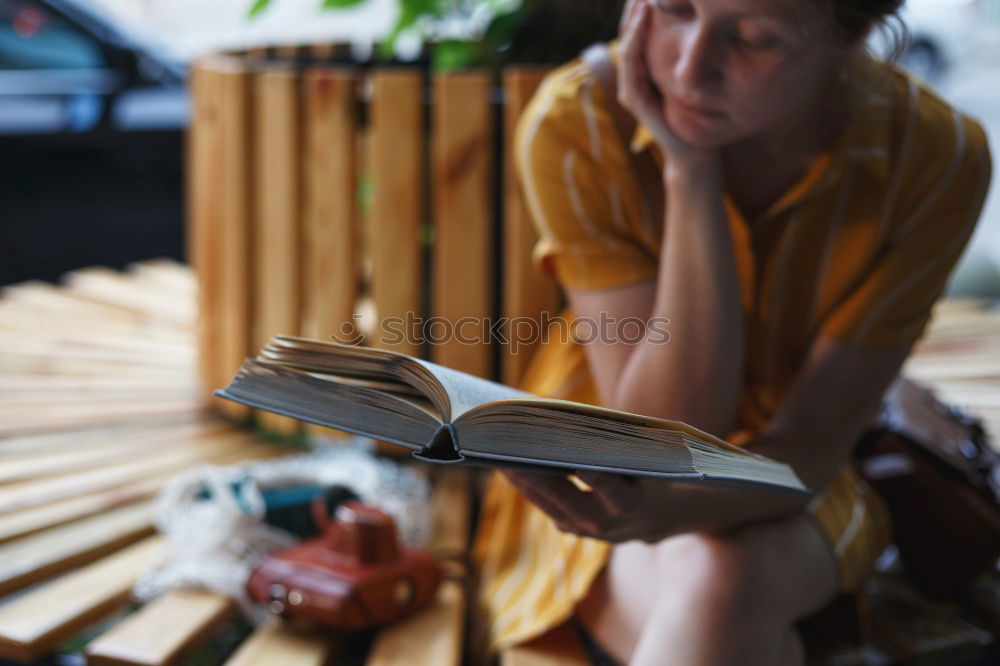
(700, 600)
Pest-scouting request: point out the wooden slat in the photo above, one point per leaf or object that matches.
(15, 384)
(234, 162)
(276, 642)
(332, 241)
(559, 647)
(180, 456)
(277, 236)
(168, 272)
(340, 51)
(432, 637)
(45, 554)
(20, 523)
(287, 52)
(37, 622)
(163, 630)
(204, 202)
(58, 308)
(30, 465)
(85, 414)
(81, 449)
(396, 160)
(56, 344)
(113, 287)
(463, 203)
(451, 506)
(42, 444)
(193, 160)
(526, 292)
(17, 524)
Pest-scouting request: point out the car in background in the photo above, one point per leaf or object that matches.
(92, 122)
(65, 69)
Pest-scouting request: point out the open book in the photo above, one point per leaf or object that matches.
(448, 416)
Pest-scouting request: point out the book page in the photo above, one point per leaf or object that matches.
(614, 415)
(467, 391)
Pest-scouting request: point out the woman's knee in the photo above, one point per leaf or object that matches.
(776, 570)
(714, 569)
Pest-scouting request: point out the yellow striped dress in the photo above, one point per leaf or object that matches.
(858, 250)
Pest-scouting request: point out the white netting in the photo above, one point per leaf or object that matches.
(212, 517)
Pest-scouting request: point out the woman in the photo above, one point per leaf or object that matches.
(794, 210)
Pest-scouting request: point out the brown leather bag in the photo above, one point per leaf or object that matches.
(935, 469)
(355, 576)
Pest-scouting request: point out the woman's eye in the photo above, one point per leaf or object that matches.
(754, 43)
(673, 9)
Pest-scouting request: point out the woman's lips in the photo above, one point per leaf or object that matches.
(694, 109)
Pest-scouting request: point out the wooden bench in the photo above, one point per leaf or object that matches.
(100, 407)
(92, 424)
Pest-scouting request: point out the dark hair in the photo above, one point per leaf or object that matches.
(854, 20)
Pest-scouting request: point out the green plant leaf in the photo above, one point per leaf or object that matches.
(502, 29)
(341, 4)
(455, 54)
(258, 7)
(411, 11)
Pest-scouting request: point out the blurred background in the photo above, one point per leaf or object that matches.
(94, 105)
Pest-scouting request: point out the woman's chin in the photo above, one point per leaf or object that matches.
(698, 135)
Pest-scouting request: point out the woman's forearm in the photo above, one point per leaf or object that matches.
(695, 377)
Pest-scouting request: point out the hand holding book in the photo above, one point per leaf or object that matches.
(619, 508)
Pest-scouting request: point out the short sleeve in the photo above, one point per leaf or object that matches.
(574, 201)
(940, 201)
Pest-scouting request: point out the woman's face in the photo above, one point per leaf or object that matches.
(730, 70)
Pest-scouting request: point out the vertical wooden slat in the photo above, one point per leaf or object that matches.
(277, 241)
(287, 52)
(462, 255)
(204, 200)
(332, 243)
(340, 51)
(396, 167)
(526, 293)
(235, 224)
(192, 143)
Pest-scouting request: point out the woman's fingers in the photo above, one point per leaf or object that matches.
(544, 491)
(616, 493)
(635, 93)
(572, 510)
(630, 9)
(628, 61)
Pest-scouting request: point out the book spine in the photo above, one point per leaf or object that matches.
(443, 447)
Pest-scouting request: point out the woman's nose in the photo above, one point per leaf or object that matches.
(696, 60)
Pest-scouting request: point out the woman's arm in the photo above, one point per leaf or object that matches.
(835, 396)
(697, 289)
(697, 292)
